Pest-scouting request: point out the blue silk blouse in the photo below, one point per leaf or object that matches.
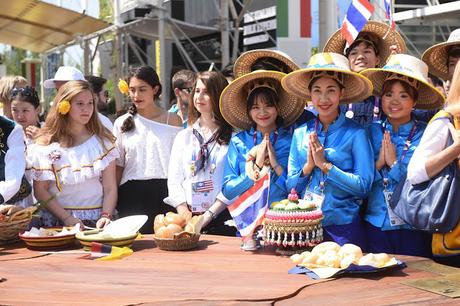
(376, 212)
(348, 148)
(235, 179)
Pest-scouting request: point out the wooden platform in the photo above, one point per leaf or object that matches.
(217, 273)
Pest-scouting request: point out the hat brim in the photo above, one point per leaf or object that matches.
(436, 59)
(428, 96)
(245, 61)
(49, 83)
(233, 100)
(357, 87)
(337, 41)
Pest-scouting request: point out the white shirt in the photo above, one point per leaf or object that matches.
(433, 141)
(105, 121)
(180, 175)
(15, 163)
(145, 150)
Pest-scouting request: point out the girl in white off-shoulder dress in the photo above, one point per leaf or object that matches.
(73, 158)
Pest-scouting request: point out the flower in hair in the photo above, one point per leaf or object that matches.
(63, 107)
(123, 87)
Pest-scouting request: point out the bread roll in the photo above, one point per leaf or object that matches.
(174, 219)
(325, 246)
(348, 254)
(158, 222)
(369, 260)
(168, 231)
(310, 259)
(296, 258)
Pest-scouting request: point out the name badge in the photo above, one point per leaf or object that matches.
(395, 220)
(202, 195)
(314, 198)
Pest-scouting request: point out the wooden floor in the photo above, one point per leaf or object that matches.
(217, 273)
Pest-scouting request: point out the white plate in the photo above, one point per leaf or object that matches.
(125, 226)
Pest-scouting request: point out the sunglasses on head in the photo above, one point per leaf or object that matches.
(187, 89)
(24, 91)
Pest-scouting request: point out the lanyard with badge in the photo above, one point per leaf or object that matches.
(375, 111)
(202, 186)
(395, 220)
(311, 196)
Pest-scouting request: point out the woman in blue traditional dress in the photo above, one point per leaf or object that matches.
(331, 156)
(402, 85)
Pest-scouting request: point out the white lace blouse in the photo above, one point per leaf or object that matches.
(145, 150)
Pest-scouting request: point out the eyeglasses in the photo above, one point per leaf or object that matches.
(105, 93)
(187, 89)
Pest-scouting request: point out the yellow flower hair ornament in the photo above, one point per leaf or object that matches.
(63, 107)
(123, 87)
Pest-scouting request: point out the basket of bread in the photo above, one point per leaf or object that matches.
(174, 233)
(14, 220)
(329, 259)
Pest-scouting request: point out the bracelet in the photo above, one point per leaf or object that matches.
(213, 215)
(260, 168)
(106, 215)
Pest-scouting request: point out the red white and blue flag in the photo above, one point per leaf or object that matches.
(248, 210)
(389, 14)
(356, 18)
(204, 186)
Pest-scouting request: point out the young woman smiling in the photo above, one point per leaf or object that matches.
(402, 85)
(195, 178)
(331, 156)
(256, 104)
(370, 49)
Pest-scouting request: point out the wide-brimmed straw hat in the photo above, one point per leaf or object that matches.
(333, 65)
(382, 34)
(436, 56)
(246, 61)
(233, 100)
(411, 70)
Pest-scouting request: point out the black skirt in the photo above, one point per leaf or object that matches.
(143, 197)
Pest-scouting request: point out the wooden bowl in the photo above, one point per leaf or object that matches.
(49, 242)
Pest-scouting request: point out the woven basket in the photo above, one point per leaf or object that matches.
(17, 223)
(184, 243)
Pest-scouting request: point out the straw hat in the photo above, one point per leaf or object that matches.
(233, 100)
(410, 70)
(383, 35)
(436, 56)
(244, 63)
(333, 65)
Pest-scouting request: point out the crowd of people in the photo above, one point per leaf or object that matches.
(348, 128)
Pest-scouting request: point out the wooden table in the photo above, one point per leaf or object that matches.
(218, 272)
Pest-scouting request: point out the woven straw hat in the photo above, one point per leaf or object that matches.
(436, 56)
(384, 35)
(357, 87)
(233, 100)
(244, 63)
(411, 70)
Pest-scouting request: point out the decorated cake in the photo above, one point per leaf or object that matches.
(293, 222)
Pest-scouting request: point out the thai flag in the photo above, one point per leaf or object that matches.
(249, 209)
(389, 14)
(357, 16)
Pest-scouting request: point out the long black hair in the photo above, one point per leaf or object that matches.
(148, 75)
